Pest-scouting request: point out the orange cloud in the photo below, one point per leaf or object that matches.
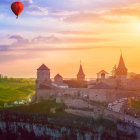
(133, 10)
(107, 16)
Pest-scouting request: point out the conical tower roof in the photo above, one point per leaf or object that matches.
(121, 69)
(43, 67)
(58, 76)
(80, 71)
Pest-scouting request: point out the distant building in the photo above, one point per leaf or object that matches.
(58, 78)
(43, 75)
(102, 75)
(121, 74)
(58, 82)
(80, 75)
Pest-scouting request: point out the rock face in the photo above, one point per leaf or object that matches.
(46, 131)
(51, 132)
(13, 129)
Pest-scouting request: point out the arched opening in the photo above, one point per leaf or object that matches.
(102, 75)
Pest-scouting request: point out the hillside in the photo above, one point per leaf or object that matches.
(40, 121)
(16, 89)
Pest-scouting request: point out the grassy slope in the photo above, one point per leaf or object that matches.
(16, 89)
(42, 108)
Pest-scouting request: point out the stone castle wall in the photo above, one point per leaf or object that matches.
(43, 76)
(99, 95)
(129, 84)
(133, 84)
(110, 82)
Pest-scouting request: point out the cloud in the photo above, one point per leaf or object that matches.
(19, 40)
(4, 48)
(107, 16)
(47, 48)
(133, 10)
(37, 11)
(21, 56)
(101, 17)
(48, 39)
(62, 12)
(77, 32)
(6, 2)
(76, 48)
(32, 49)
(53, 40)
(27, 2)
(49, 43)
(1, 15)
(82, 17)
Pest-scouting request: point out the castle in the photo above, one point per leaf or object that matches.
(104, 89)
(118, 80)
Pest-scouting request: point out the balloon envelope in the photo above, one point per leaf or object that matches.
(17, 8)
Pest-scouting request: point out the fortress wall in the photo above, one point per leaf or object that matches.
(99, 95)
(127, 93)
(133, 84)
(130, 84)
(110, 82)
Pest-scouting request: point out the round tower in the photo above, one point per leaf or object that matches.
(43, 75)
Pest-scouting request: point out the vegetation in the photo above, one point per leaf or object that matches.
(13, 89)
(133, 108)
(41, 113)
(42, 108)
(136, 104)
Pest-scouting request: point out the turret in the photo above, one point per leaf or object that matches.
(81, 75)
(58, 78)
(121, 74)
(43, 75)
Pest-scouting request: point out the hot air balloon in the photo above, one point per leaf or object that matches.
(17, 8)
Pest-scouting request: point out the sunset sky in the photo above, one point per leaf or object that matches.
(60, 33)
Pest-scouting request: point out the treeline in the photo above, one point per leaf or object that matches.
(21, 80)
(3, 76)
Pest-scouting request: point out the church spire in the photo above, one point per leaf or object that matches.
(81, 75)
(121, 69)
